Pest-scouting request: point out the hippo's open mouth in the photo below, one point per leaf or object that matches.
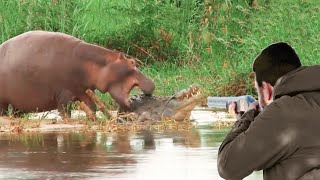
(127, 99)
(120, 91)
(140, 81)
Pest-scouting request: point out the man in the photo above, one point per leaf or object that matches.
(283, 139)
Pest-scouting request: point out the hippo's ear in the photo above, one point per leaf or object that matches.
(123, 56)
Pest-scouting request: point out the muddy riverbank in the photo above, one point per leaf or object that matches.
(51, 121)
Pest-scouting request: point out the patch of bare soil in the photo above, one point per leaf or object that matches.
(123, 122)
(18, 125)
(50, 121)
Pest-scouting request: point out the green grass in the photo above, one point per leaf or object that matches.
(212, 44)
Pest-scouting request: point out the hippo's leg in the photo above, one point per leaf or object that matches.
(99, 103)
(64, 102)
(89, 102)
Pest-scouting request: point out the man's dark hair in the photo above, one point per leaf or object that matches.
(275, 61)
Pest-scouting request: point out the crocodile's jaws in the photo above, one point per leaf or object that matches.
(177, 107)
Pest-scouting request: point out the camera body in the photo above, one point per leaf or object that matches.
(242, 104)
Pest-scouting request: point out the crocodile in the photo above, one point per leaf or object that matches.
(177, 107)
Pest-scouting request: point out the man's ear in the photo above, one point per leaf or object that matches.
(268, 90)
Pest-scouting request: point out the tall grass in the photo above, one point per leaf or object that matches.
(208, 42)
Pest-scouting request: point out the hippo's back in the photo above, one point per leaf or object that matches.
(37, 64)
(36, 45)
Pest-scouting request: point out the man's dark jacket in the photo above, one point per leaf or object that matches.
(284, 139)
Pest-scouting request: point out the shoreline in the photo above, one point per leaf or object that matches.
(51, 121)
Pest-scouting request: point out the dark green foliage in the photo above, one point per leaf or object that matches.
(209, 42)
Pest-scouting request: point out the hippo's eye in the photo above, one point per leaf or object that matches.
(132, 62)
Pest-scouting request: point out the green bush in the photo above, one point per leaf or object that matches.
(208, 42)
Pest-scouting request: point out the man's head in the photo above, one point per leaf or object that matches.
(273, 62)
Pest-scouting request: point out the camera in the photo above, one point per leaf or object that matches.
(242, 104)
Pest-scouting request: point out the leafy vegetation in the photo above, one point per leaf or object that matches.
(208, 42)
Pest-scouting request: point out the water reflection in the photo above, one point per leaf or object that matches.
(123, 155)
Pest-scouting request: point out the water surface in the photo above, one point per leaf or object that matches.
(185, 155)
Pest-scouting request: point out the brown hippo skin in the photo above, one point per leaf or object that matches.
(42, 71)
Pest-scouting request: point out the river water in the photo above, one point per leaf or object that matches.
(145, 155)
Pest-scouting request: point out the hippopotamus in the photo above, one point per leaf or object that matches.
(42, 71)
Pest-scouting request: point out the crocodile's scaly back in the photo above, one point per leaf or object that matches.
(177, 107)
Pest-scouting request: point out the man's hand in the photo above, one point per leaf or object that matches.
(232, 109)
(254, 105)
(233, 106)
